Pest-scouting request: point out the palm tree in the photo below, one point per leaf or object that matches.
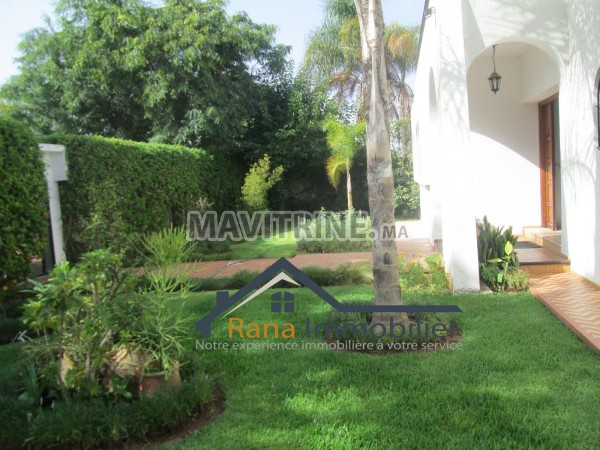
(333, 53)
(402, 47)
(334, 56)
(379, 159)
(341, 139)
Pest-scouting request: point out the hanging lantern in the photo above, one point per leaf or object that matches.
(494, 78)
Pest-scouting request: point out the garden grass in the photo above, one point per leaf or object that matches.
(522, 380)
(283, 246)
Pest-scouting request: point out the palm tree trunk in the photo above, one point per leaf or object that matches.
(379, 168)
(349, 187)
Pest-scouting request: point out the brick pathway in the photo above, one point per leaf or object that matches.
(574, 300)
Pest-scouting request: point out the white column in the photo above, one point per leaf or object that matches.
(458, 226)
(56, 170)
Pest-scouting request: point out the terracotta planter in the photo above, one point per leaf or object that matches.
(149, 382)
(126, 364)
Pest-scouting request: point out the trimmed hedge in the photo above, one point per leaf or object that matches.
(23, 200)
(118, 190)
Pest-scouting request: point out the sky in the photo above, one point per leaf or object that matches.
(293, 18)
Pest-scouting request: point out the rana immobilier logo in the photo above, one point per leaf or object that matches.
(284, 302)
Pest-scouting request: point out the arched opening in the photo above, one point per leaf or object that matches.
(516, 178)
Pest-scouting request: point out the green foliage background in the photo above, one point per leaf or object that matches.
(23, 199)
(118, 190)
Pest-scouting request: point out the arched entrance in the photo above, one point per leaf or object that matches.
(514, 137)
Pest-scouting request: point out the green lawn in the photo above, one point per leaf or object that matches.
(522, 380)
(280, 247)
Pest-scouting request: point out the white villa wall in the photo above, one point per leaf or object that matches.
(443, 152)
(481, 137)
(580, 157)
(540, 77)
(542, 23)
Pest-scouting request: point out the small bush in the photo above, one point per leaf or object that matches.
(496, 253)
(259, 179)
(345, 274)
(517, 281)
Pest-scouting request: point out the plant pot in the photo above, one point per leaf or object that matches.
(149, 382)
(126, 364)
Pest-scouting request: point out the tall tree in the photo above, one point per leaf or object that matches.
(379, 161)
(334, 56)
(341, 139)
(185, 73)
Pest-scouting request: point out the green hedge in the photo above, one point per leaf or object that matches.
(118, 190)
(23, 200)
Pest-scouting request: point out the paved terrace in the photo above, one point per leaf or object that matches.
(574, 300)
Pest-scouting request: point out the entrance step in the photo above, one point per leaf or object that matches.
(544, 237)
(543, 256)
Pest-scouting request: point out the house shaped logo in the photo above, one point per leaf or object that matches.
(284, 270)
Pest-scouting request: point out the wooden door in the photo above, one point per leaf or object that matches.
(547, 110)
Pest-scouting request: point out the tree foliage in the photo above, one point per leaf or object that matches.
(334, 57)
(23, 199)
(186, 73)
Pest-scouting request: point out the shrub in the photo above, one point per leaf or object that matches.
(345, 274)
(23, 200)
(119, 190)
(102, 423)
(319, 235)
(496, 253)
(517, 281)
(88, 307)
(407, 202)
(259, 179)
(407, 198)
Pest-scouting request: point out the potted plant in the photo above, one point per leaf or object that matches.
(163, 331)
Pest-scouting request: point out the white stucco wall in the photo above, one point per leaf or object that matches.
(498, 134)
(580, 157)
(443, 153)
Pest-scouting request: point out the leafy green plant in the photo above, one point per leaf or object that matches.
(88, 308)
(163, 330)
(517, 281)
(98, 423)
(259, 179)
(407, 202)
(497, 256)
(342, 141)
